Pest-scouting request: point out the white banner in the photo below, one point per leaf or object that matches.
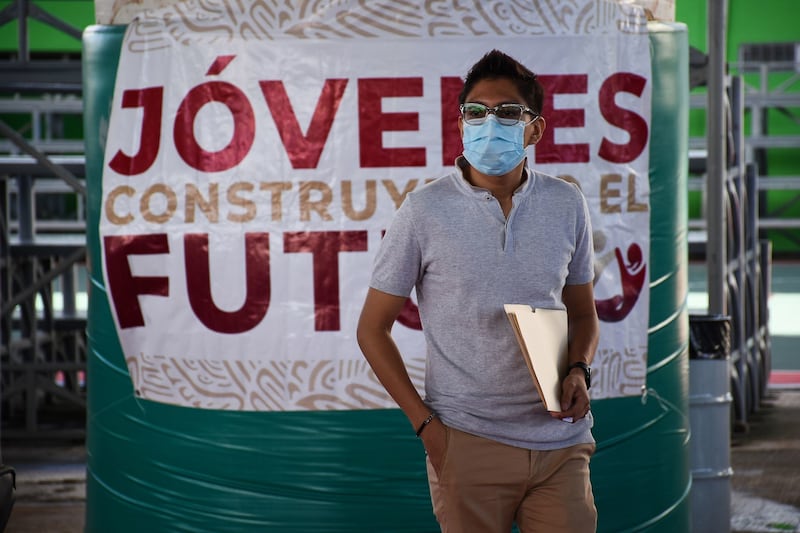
(255, 156)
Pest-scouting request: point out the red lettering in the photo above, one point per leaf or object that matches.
(244, 130)
(150, 100)
(372, 122)
(547, 151)
(304, 151)
(625, 119)
(219, 64)
(451, 140)
(409, 316)
(325, 247)
(632, 275)
(198, 283)
(125, 288)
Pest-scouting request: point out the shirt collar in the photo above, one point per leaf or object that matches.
(462, 165)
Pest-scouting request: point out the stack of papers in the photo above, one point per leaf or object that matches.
(542, 336)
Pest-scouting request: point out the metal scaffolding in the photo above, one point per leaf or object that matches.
(42, 337)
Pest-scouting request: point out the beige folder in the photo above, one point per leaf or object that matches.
(542, 336)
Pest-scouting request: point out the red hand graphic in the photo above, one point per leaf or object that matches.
(617, 307)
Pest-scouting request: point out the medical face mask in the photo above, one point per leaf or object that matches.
(492, 148)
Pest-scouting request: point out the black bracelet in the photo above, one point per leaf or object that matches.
(587, 372)
(425, 423)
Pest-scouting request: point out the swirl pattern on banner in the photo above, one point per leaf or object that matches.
(618, 372)
(263, 386)
(208, 21)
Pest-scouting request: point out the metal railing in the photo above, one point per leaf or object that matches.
(25, 73)
(42, 337)
(747, 264)
(760, 95)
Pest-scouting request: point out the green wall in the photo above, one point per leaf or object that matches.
(750, 21)
(43, 38)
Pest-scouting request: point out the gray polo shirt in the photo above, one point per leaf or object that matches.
(451, 242)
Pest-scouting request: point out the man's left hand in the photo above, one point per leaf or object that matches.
(575, 402)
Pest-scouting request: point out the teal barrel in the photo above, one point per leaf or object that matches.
(640, 473)
(157, 467)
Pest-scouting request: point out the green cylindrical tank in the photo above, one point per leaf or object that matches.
(157, 467)
(640, 473)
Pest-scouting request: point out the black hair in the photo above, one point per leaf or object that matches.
(496, 64)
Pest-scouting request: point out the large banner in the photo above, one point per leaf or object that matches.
(257, 151)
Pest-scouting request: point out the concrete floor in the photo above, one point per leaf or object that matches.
(51, 486)
(766, 467)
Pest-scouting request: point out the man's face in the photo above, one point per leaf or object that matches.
(493, 92)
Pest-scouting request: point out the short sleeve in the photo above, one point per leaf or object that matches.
(397, 265)
(581, 267)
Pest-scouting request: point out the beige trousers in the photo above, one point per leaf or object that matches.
(486, 486)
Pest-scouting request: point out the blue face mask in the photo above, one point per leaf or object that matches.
(492, 148)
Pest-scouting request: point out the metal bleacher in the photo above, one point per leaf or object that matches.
(42, 237)
(770, 74)
(764, 81)
(748, 259)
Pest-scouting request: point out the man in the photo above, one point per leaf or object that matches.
(490, 233)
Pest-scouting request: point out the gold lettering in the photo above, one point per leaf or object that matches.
(320, 206)
(244, 201)
(570, 179)
(275, 189)
(633, 205)
(371, 201)
(144, 203)
(111, 215)
(607, 193)
(240, 201)
(397, 196)
(210, 207)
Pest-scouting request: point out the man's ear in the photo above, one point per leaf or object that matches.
(535, 130)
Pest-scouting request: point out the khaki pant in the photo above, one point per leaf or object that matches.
(485, 486)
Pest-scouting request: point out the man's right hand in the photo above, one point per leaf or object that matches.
(434, 438)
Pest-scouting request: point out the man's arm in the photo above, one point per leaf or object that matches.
(584, 333)
(375, 339)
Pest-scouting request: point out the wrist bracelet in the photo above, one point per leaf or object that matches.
(587, 372)
(425, 423)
